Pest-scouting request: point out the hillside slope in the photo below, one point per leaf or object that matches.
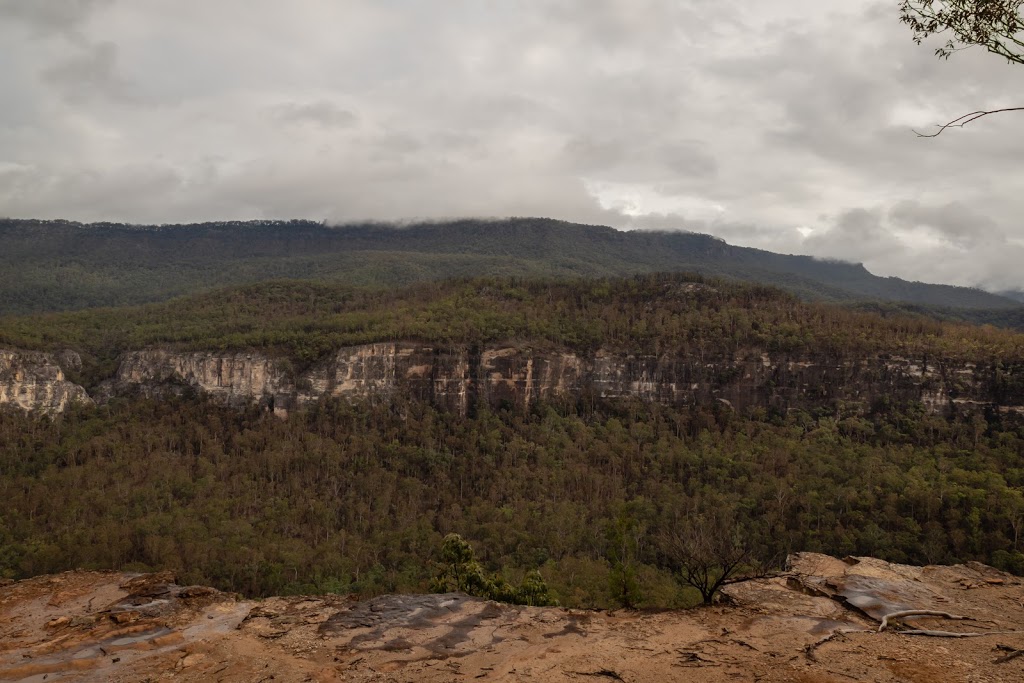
(306, 321)
(59, 265)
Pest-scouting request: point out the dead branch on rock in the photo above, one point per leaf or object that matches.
(1014, 653)
(917, 613)
(719, 641)
(935, 634)
(608, 673)
(835, 635)
(693, 659)
(951, 634)
(809, 648)
(745, 644)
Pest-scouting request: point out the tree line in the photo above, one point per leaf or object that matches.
(301, 321)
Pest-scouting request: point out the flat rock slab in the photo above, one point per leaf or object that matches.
(815, 624)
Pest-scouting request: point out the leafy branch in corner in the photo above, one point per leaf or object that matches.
(996, 25)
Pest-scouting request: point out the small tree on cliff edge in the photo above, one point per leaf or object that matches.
(996, 25)
(459, 571)
(708, 551)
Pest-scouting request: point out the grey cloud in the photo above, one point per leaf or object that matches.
(628, 23)
(321, 112)
(872, 236)
(733, 232)
(487, 110)
(48, 16)
(588, 153)
(856, 235)
(766, 125)
(395, 146)
(89, 74)
(860, 223)
(843, 103)
(142, 192)
(663, 223)
(954, 221)
(670, 166)
(689, 159)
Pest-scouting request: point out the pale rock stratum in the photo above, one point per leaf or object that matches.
(462, 378)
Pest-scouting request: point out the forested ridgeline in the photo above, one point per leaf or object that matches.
(357, 498)
(301, 321)
(61, 265)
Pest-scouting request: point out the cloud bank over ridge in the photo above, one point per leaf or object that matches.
(785, 126)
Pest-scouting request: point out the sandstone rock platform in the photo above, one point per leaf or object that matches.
(816, 623)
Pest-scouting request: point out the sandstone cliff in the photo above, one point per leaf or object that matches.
(461, 378)
(231, 378)
(35, 381)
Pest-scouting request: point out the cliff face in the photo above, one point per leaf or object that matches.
(442, 376)
(231, 378)
(460, 378)
(35, 381)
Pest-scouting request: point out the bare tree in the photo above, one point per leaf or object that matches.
(707, 551)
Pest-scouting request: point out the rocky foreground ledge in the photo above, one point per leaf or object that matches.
(817, 623)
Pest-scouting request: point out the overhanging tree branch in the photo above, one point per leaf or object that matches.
(996, 25)
(962, 121)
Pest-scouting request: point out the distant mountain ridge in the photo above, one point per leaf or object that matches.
(1015, 294)
(63, 265)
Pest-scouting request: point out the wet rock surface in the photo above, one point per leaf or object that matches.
(430, 626)
(816, 623)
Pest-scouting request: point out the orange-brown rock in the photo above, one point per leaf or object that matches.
(816, 623)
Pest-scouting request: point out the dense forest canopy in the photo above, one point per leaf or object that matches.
(358, 497)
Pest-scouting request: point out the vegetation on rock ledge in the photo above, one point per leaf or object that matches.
(649, 314)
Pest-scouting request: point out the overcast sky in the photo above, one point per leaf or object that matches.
(784, 125)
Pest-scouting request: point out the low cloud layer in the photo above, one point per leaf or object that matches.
(786, 126)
